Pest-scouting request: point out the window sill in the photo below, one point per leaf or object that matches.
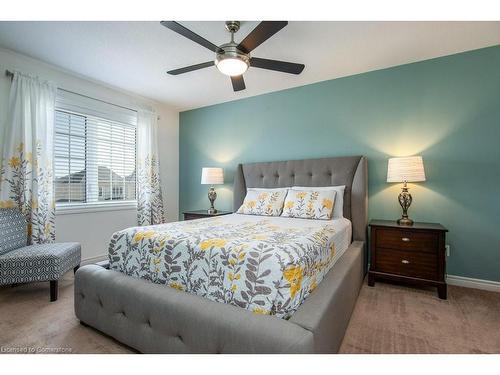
(67, 209)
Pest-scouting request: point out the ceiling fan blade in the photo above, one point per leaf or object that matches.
(238, 83)
(185, 32)
(260, 34)
(187, 69)
(279, 66)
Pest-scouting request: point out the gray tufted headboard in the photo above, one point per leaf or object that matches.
(350, 171)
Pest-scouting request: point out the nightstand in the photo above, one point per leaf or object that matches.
(412, 254)
(200, 214)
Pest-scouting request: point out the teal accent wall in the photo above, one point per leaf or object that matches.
(445, 109)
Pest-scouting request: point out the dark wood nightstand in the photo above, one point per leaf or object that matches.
(413, 254)
(200, 214)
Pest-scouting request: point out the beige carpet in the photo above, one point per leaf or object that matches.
(397, 319)
(387, 319)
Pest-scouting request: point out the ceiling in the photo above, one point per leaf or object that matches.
(136, 55)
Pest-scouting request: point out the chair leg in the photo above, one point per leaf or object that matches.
(53, 290)
(76, 269)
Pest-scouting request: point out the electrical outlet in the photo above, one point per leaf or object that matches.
(447, 247)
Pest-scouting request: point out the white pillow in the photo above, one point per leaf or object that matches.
(338, 208)
(266, 202)
(309, 204)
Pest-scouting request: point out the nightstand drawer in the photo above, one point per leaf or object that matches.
(407, 263)
(400, 239)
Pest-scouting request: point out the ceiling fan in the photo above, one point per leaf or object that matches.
(234, 59)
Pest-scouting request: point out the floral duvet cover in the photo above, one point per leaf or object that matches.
(267, 265)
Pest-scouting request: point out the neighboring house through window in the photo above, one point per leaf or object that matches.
(94, 151)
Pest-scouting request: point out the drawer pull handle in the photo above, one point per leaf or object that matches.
(404, 261)
(405, 239)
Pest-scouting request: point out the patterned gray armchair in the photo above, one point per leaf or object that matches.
(20, 263)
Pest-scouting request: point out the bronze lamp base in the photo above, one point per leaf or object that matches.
(405, 221)
(405, 200)
(212, 195)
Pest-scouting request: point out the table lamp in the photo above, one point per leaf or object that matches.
(407, 169)
(212, 176)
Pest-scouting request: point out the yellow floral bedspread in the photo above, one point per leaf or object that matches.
(265, 265)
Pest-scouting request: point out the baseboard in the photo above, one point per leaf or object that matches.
(469, 282)
(95, 259)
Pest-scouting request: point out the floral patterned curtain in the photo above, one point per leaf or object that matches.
(27, 155)
(149, 197)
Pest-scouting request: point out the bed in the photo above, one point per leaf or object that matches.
(131, 303)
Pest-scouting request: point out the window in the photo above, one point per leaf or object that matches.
(94, 152)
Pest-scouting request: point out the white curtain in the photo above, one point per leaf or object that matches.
(149, 197)
(27, 155)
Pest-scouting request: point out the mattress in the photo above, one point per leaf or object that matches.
(268, 265)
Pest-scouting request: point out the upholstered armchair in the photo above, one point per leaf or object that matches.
(20, 263)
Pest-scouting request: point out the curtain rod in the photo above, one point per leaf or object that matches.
(10, 74)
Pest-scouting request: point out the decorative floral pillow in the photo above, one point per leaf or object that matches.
(266, 202)
(309, 204)
(338, 208)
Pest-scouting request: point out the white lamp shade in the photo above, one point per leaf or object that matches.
(409, 169)
(212, 176)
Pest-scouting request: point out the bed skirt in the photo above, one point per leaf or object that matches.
(153, 318)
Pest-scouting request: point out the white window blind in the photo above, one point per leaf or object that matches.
(69, 157)
(95, 152)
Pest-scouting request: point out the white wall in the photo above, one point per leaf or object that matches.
(94, 229)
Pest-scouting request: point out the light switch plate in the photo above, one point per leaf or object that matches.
(447, 247)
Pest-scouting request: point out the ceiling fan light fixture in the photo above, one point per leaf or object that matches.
(232, 62)
(231, 65)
